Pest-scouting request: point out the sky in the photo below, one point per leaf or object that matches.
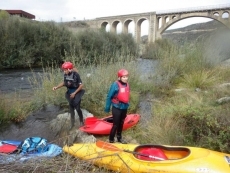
(70, 10)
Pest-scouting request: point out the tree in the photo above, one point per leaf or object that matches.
(4, 15)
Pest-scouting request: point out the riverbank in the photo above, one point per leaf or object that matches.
(38, 123)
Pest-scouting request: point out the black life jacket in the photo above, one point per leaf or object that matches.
(70, 80)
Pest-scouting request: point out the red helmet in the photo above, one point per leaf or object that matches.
(67, 65)
(122, 72)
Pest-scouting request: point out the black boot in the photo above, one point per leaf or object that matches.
(80, 117)
(121, 141)
(82, 123)
(72, 122)
(112, 134)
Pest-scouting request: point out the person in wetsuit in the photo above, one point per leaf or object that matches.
(118, 97)
(73, 83)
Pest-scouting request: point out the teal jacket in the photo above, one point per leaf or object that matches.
(112, 92)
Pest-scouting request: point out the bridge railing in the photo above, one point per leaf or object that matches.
(194, 9)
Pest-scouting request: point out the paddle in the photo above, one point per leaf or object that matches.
(17, 143)
(111, 147)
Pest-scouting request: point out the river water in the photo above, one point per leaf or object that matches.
(15, 80)
(18, 80)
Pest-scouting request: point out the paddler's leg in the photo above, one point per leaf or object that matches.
(71, 110)
(123, 114)
(116, 119)
(78, 109)
(72, 116)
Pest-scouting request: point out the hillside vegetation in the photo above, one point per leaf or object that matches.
(28, 43)
(194, 32)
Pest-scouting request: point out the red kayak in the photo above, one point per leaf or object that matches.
(103, 126)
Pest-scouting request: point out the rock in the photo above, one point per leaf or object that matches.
(180, 89)
(50, 124)
(198, 90)
(224, 85)
(60, 126)
(223, 100)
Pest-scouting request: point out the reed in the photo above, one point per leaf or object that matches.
(194, 117)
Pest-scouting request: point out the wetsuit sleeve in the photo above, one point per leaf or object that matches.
(64, 80)
(77, 78)
(112, 91)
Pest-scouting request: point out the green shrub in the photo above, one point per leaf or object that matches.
(4, 15)
(13, 108)
(28, 43)
(159, 49)
(97, 47)
(200, 79)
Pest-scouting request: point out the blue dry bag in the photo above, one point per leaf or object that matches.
(33, 144)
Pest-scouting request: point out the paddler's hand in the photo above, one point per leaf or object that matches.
(107, 110)
(72, 95)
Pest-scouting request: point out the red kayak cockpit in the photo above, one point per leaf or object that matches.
(159, 152)
(102, 126)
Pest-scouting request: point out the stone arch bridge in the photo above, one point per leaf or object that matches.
(160, 21)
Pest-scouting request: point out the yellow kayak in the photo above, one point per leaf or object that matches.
(150, 158)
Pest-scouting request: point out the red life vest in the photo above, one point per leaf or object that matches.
(123, 94)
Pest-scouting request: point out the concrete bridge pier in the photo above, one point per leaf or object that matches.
(153, 25)
(125, 28)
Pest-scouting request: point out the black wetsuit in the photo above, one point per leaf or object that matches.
(119, 116)
(72, 82)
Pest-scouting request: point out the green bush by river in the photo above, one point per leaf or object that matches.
(29, 43)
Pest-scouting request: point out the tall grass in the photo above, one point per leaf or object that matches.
(13, 107)
(200, 79)
(185, 66)
(188, 117)
(194, 117)
(96, 81)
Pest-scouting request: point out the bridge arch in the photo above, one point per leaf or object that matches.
(138, 28)
(126, 25)
(215, 15)
(104, 24)
(114, 24)
(225, 13)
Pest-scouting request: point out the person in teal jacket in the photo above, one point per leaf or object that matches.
(118, 97)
